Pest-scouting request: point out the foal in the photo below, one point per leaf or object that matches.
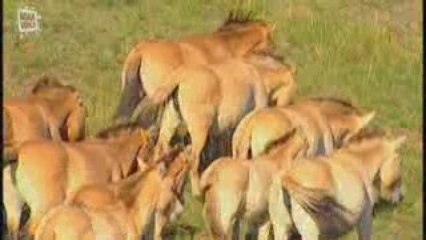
(123, 210)
(47, 172)
(50, 111)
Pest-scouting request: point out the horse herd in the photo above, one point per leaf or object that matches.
(310, 166)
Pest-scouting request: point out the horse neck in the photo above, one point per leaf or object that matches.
(59, 107)
(368, 159)
(176, 179)
(241, 42)
(268, 77)
(125, 147)
(138, 209)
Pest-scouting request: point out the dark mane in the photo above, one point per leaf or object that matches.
(368, 133)
(237, 19)
(117, 130)
(48, 81)
(272, 55)
(279, 142)
(338, 101)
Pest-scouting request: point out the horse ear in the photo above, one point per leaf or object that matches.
(397, 143)
(293, 68)
(75, 123)
(366, 119)
(127, 189)
(300, 136)
(146, 135)
(271, 27)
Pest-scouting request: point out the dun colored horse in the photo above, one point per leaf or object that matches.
(211, 100)
(47, 172)
(237, 189)
(150, 62)
(123, 210)
(325, 197)
(326, 122)
(50, 111)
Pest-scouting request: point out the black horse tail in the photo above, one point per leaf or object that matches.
(132, 91)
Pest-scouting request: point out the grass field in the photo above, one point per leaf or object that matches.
(367, 51)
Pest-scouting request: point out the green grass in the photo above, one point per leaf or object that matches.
(366, 51)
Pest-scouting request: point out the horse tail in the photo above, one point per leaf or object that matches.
(132, 91)
(314, 201)
(45, 230)
(164, 93)
(13, 202)
(242, 137)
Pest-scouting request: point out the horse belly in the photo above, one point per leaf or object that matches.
(337, 223)
(355, 199)
(234, 106)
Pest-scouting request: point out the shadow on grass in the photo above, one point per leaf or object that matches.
(382, 207)
(181, 229)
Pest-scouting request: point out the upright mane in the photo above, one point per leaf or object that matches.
(238, 19)
(339, 102)
(269, 54)
(118, 130)
(367, 134)
(48, 81)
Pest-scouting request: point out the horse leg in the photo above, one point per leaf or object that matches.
(169, 122)
(211, 215)
(263, 232)
(160, 223)
(279, 210)
(220, 211)
(236, 229)
(304, 223)
(364, 224)
(198, 127)
(252, 232)
(12, 203)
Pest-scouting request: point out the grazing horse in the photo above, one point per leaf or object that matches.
(211, 99)
(326, 122)
(47, 172)
(237, 189)
(123, 210)
(50, 111)
(325, 197)
(279, 77)
(150, 62)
